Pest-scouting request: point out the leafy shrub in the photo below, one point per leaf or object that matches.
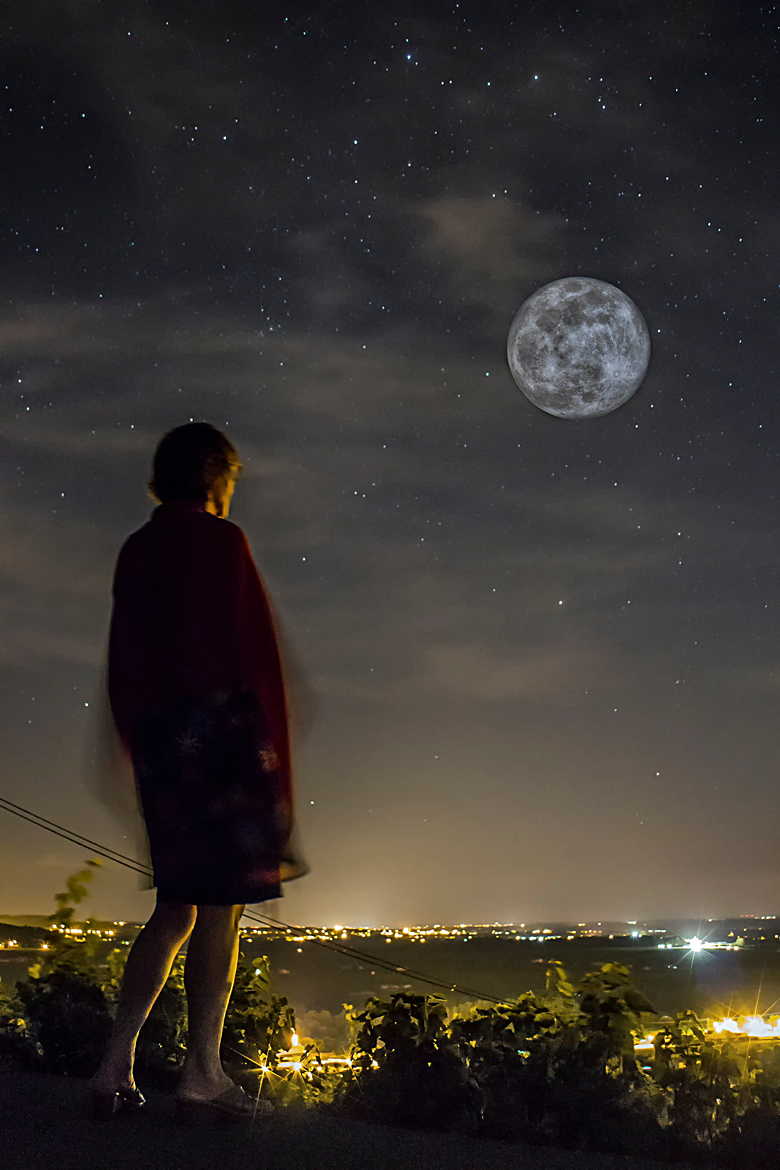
(406, 1068)
(15, 1040)
(59, 1017)
(724, 1092)
(67, 1019)
(561, 1068)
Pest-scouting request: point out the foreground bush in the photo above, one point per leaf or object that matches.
(561, 1069)
(406, 1068)
(538, 1069)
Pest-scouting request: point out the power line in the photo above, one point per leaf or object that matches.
(71, 835)
(132, 863)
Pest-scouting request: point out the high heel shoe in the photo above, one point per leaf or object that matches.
(131, 1099)
(105, 1103)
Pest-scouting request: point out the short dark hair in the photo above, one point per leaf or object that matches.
(190, 462)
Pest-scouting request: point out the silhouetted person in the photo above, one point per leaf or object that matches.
(199, 701)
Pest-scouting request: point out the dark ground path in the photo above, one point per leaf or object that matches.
(42, 1124)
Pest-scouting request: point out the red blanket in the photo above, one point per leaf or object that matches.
(191, 617)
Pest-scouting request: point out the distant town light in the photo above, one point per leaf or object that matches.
(755, 1026)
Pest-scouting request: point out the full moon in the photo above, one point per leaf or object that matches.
(578, 347)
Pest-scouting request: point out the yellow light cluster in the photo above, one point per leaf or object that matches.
(755, 1026)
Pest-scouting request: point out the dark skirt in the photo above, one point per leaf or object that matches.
(206, 775)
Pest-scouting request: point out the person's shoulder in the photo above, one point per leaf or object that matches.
(235, 531)
(218, 533)
(234, 537)
(131, 542)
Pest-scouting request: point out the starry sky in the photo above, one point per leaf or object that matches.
(544, 651)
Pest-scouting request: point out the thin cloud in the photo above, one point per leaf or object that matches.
(493, 241)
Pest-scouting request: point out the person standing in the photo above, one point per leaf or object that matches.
(197, 691)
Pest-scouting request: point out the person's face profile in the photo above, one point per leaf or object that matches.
(223, 507)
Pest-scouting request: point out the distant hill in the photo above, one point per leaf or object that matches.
(25, 935)
(33, 928)
(24, 920)
(41, 921)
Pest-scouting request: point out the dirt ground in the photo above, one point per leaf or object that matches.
(44, 1123)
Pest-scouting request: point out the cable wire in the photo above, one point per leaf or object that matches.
(42, 823)
(132, 863)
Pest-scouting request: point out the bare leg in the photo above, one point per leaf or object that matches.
(209, 973)
(147, 968)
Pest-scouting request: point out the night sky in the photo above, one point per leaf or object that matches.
(544, 651)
